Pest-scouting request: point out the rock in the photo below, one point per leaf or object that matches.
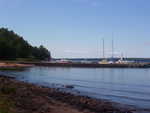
(69, 86)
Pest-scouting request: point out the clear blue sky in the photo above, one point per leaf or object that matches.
(75, 28)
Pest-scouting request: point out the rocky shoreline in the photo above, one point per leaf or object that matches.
(28, 98)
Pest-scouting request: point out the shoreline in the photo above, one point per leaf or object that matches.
(89, 65)
(30, 94)
(13, 66)
(21, 64)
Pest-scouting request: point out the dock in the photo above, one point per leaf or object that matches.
(89, 65)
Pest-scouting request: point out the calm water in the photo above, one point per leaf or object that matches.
(127, 86)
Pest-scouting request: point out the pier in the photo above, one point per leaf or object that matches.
(90, 65)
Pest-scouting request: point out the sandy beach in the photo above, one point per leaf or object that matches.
(13, 66)
(2, 64)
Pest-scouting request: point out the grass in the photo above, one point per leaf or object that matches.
(6, 104)
(17, 60)
(12, 68)
(7, 90)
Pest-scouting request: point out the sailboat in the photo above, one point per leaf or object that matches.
(112, 61)
(104, 61)
(123, 61)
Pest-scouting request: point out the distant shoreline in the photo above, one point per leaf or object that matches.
(19, 65)
(88, 65)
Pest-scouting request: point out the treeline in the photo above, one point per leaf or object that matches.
(13, 46)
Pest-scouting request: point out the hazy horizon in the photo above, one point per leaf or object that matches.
(75, 28)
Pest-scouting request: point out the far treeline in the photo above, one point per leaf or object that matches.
(13, 46)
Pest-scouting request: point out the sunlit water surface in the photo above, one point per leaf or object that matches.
(127, 86)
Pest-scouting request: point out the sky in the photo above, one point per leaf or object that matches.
(76, 28)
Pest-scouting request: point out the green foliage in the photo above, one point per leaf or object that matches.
(6, 105)
(40, 53)
(8, 90)
(13, 46)
(12, 68)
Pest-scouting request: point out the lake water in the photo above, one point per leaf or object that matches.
(124, 85)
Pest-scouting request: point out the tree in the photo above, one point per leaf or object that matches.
(14, 46)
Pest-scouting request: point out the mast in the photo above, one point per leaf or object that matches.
(121, 56)
(112, 45)
(103, 48)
